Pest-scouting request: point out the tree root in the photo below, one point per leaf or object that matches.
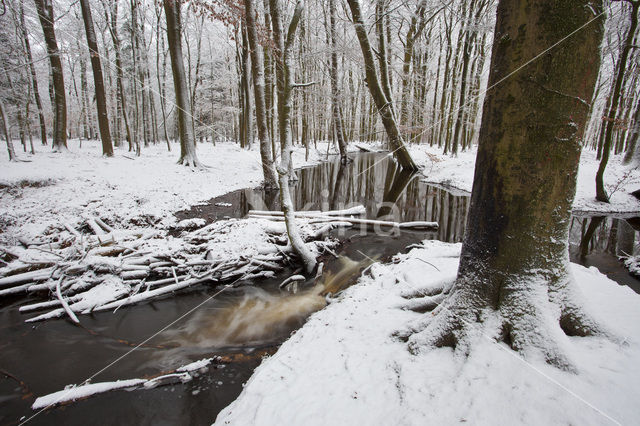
(532, 320)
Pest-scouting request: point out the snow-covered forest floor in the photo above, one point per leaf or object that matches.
(620, 180)
(343, 366)
(147, 189)
(125, 189)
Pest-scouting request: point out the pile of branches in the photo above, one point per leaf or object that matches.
(93, 267)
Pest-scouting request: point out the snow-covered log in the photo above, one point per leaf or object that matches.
(120, 268)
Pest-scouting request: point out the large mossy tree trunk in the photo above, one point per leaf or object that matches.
(514, 269)
(383, 104)
(188, 155)
(98, 80)
(45, 14)
(257, 68)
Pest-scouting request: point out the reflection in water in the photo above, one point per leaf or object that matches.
(600, 241)
(387, 192)
(373, 180)
(247, 317)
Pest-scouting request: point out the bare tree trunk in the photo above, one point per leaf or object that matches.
(632, 155)
(382, 103)
(5, 127)
(285, 86)
(335, 90)
(514, 279)
(45, 14)
(121, 100)
(34, 79)
(188, 155)
(98, 81)
(601, 192)
(257, 64)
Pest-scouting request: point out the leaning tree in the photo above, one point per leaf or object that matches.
(514, 281)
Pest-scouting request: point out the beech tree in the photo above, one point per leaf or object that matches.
(5, 133)
(335, 90)
(614, 102)
(98, 81)
(34, 79)
(45, 14)
(257, 68)
(188, 155)
(284, 75)
(514, 282)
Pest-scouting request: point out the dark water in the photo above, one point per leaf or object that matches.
(48, 356)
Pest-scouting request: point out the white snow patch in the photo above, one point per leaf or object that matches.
(344, 367)
(456, 173)
(55, 187)
(77, 392)
(194, 366)
(73, 392)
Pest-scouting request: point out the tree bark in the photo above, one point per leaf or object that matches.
(188, 155)
(335, 90)
(383, 104)
(514, 265)
(601, 192)
(5, 128)
(257, 68)
(34, 79)
(285, 86)
(45, 14)
(98, 81)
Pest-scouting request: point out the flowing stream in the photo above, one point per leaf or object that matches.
(246, 323)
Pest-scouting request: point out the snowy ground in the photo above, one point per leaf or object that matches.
(343, 367)
(126, 189)
(620, 181)
(144, 190)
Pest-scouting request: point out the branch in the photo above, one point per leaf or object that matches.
(293, 25)
(298, 85)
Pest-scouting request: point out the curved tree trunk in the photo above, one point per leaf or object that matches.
(188, 155)
(45, 14)
(285, 86)
(383, 105)
(514, 266)
(98, 81)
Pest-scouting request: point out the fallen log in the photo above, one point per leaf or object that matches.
(26, 277)
(149, 294)
(417, 225)
(64, 303)
(292, 279)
